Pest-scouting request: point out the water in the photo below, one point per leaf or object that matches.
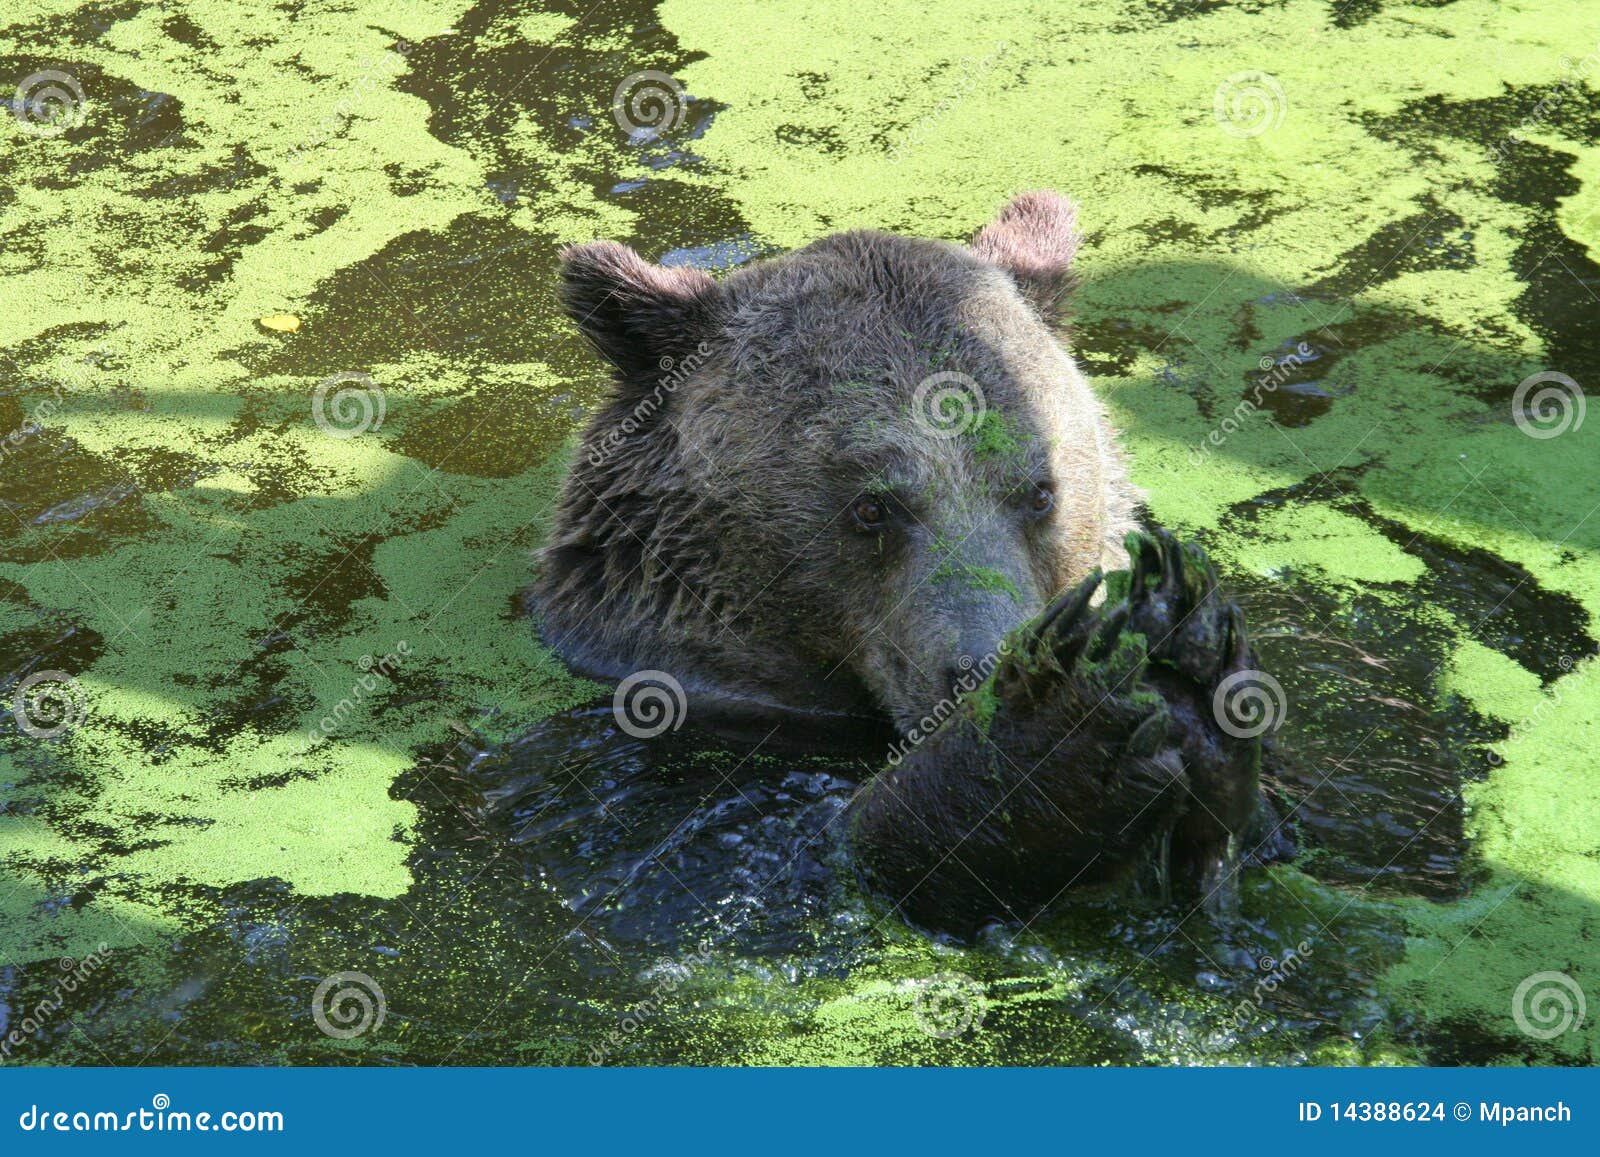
(524, 883)
(560, 876)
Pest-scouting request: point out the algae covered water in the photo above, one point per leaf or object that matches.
(286, 394)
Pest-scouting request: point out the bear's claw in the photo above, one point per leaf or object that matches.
(1167, 609)
(1151, 735)
(1064, 612)
(1175, 601)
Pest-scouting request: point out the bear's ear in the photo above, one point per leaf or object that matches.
(1034, 239)
(635, 314)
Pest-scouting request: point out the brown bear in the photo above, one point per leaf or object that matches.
(854, 481)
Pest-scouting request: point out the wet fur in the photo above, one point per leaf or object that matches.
(715, 542)
(706, 529)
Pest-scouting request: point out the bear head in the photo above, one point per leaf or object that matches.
(834, 480)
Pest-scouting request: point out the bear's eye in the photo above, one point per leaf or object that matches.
(869, 512)
(1042, 501)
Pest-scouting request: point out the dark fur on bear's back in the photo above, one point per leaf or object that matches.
(706, 526)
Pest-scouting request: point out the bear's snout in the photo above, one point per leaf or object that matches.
(977, 655)
(938, 653)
